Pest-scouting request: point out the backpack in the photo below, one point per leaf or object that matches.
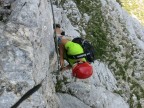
(88, 50)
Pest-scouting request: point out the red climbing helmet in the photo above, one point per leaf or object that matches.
(82, 70)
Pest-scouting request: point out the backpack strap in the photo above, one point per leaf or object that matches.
(78, 56)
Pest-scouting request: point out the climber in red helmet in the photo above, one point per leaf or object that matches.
(80, 67)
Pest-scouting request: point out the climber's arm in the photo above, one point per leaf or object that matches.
(61, 51)
(62, 43)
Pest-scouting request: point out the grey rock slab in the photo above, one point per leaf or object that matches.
(97, 97)
(68, 101)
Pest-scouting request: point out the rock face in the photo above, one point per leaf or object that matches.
(28, 58)
(26, 54)
(127, 34)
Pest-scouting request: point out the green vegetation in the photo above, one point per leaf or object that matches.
(58, 86)
(96, 28)
(97, 32)
(120, 92)
(135, 7)
(136, 90)
(60, 83)
(119, 1)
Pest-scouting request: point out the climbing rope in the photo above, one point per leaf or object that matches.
(55, 37)
(27, 94)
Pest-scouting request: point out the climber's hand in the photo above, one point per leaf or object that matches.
(62, 63)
